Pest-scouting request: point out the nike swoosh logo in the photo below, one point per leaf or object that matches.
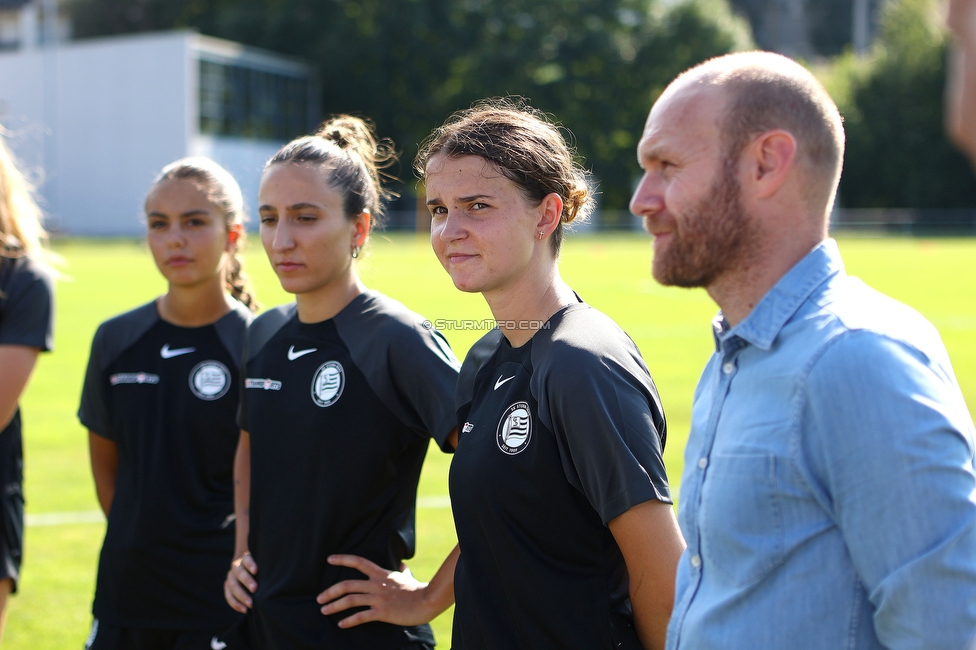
(217, 645)
(166, 353)
(502, 381)
(295, 354)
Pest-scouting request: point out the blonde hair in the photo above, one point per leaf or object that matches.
(21, 232)
(224, 192)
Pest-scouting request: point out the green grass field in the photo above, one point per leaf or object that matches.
(671, 326)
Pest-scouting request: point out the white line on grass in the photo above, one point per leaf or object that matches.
(443, 501)
(96, 517)
(62, 518)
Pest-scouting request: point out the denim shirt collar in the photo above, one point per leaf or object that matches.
(767, 319)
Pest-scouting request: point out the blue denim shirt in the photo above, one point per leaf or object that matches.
(829, 490)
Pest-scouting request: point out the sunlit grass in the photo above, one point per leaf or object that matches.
(671, 327)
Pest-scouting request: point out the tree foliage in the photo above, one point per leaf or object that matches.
(595, 65)
(831, 25)
(897, 151)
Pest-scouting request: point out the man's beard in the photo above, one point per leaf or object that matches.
(712, 236)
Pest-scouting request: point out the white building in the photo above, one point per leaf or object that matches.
(96, 120)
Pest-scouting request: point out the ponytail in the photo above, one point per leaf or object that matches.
(238, 283)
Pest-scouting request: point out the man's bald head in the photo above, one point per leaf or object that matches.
(765, 92)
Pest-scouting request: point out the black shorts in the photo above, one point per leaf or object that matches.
(104, 636)
(236, 639)
(11, 504)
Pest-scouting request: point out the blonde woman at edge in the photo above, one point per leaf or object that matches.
(26, 328)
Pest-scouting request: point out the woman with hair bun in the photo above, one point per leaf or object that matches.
(160, 403)
(26, 327)
(343, 390)
(559, 491)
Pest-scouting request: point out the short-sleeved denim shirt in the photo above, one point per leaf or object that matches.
(829, 491)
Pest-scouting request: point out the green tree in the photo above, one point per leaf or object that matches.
(897, 151)
(105, 17)
(596, 65)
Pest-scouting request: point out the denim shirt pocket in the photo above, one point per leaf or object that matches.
(741, 516)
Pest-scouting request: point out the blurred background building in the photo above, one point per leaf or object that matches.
(94, 120)
(812, 28)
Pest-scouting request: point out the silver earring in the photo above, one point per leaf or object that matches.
(355, 251)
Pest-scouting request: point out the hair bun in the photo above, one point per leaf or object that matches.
(348, 132)
(337, 137)
(349, 147)
(527, 146)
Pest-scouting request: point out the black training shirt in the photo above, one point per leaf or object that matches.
(26, 318)
(26, 304)
(557, 438)
(340, 414)
(167, 396)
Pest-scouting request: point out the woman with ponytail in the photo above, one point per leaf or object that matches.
(26, 322)
(159, 402)
(343, 390)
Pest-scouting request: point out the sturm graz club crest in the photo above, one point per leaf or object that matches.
(209, 380)
(515, 428)
(328, 383)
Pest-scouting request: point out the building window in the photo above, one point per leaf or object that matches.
(9, 30)
(244, 102)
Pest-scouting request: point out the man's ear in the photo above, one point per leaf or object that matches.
(768, 161)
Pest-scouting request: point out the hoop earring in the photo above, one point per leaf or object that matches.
(355, 251)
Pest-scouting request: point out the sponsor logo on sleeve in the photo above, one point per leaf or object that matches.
(209, 380)
(262, 383)
(327, 384)
(515, 429)
(467, 428)
(133, 378)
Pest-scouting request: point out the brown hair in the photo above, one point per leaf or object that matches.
(348, 146)
(224, 192)
(524, 145)
(767, 91)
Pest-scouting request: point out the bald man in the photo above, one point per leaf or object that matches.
(829, 482)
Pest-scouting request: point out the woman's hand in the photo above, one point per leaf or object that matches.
(240, 583)
(392, 596)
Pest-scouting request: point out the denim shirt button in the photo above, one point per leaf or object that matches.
(729, 367)
(696, 561)
(702, 462)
